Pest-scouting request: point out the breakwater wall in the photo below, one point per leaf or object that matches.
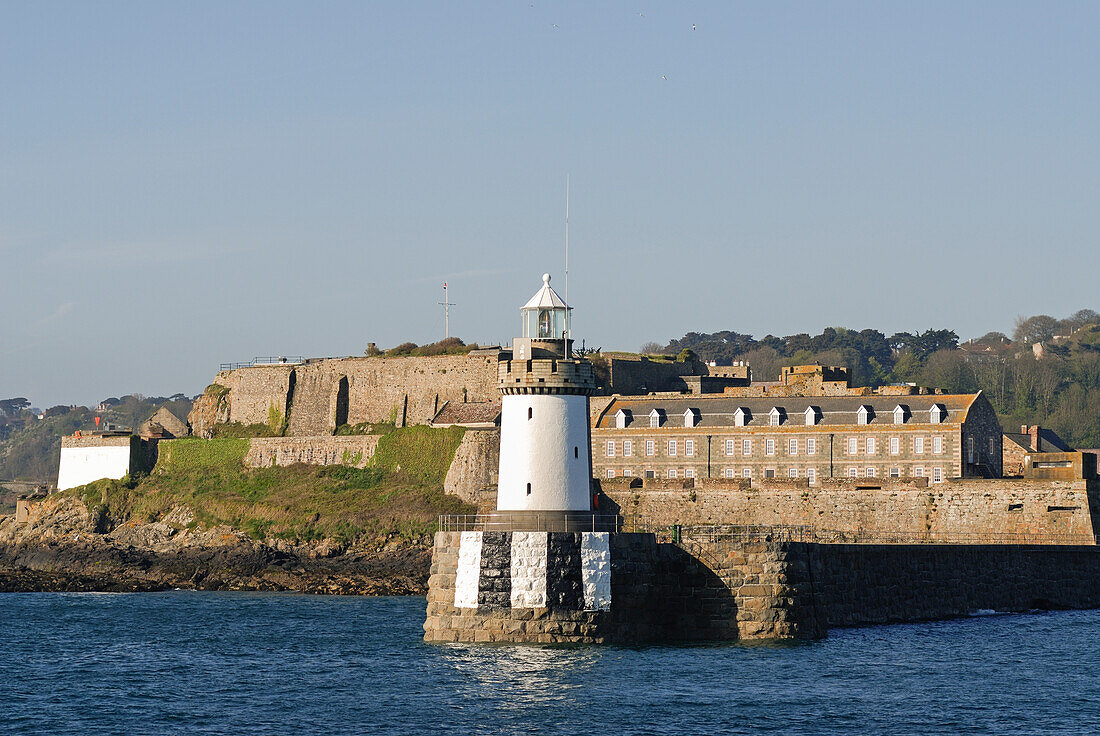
(533, 586)
(1001, 506)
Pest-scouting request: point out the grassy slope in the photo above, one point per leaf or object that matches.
(400, 492)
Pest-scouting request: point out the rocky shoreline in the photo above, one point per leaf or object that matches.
(64, 547)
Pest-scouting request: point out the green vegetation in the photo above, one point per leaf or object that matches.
(276, 420)
(448, 346)
(400, 492)
(348, 430)
(236, 430)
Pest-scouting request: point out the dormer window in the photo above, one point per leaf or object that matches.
(901, 414)
(937, 413)
(865, 414)
(655, 418)
(776, 416)
(813, 415)
(622, 418)
(691, 417)
(742, 416)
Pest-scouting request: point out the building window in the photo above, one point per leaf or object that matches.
(853, 472)
(937, 475)
(729, 472)
(811, 446)
(672, 473)
(628, 448)
(689, 472)
(689, 448)
(992, 447)
(895, 445)
(650, 474)
(970, 450)
(746, 472)
(937, 445)
(870, 473)
(918, 445)
(576, 452)
(792, 473)
(626, 472)
(769, 446)
(729, 447)
(918, 472)
(853, 446)
(672, 448)
(870, 445)
(650, 448)
(654, 420)
(811, 475)
(610, 472)
(895, 472)
(746, 447)
(792, 446)
(610, 448)
(769, 472)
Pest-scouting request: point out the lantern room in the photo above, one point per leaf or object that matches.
(546, 315)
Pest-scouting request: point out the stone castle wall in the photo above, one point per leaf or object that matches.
(355, 451)
(1001, 506)
(474, 467)
(405, 390)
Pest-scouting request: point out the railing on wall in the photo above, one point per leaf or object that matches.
(264, 360)
(532, 522)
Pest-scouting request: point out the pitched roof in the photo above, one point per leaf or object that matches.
(718, 411)
(546, 297)
(1048, 441)
(480, 412)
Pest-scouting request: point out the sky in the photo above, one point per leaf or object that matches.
(189, 184)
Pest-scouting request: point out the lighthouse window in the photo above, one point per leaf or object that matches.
(528, 489)
(544, 323)
(530, 412)
(577, 451)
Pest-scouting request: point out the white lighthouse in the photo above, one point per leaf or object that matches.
(545, 442)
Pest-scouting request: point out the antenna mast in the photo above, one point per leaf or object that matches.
(567, 238)
(446, 304)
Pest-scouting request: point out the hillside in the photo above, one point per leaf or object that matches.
(202, 519)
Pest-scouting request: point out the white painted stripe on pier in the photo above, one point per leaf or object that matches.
(596, 570)
(529, 569)
(468, 574)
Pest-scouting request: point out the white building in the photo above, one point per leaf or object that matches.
(92, 458)
(545, 440)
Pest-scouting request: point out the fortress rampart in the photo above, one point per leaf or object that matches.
(955, 507)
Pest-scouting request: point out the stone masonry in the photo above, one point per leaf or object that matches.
(976, 507)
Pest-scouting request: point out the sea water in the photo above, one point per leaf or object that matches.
(250, 663)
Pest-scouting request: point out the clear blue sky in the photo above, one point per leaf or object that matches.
(191, 183)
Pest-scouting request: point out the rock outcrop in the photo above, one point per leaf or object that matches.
(65, 547)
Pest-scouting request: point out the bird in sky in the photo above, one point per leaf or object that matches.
(693, 26)
(641, 15)
(664, 77)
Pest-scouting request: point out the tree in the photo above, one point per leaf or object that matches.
(13, 407)
(1040, 328)
(992, 338)
(687, 355)
(651, 348)
(1080, 318)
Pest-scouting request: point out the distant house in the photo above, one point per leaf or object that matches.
(1030, 439)
(163, 425)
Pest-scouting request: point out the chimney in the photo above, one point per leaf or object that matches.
(1033, 431)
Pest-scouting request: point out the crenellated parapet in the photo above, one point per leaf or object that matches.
(546, 376)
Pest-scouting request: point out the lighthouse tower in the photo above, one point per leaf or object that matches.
(545, 440)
